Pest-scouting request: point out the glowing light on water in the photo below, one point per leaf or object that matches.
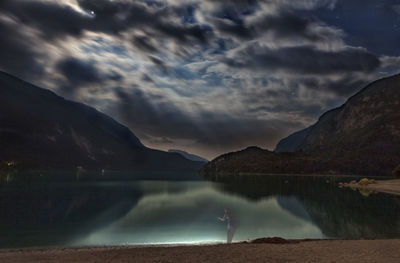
(171, 217)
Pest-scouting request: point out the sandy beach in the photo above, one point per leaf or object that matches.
(386, 250)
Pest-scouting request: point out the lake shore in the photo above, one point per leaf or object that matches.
(383, 250)
(384, 186)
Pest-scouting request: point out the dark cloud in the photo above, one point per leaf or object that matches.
(115, 76)
(17, 55)
(160, 64)
(146, 78)
(344, 86)
(144, 44)
(185, 34)
(116, 16)
(78, 72)
(287, 24)
(265, 101)
(157, 61)
(308, 4)
(53, 20)
(235, 2)
(281, 25)
(234, 29)
(304, 59)
(320, 48)
(211, 132)
(111, 17)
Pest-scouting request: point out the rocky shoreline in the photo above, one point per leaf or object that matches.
(368, 186)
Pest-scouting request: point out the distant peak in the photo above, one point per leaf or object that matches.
(253, 148)
(188, 156)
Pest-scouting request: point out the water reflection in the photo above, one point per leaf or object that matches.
(149, 212)
(339, 213)
(53, 214)
(186, 213)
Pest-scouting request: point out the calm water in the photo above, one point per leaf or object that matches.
(154, 212)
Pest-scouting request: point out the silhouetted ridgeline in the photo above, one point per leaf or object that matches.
(360, 137)
(42, 131)
(293, 141)
(189, 156)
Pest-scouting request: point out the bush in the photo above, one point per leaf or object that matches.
(396, 171)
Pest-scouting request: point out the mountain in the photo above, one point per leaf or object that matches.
(189, 156)
(360, 137)
(369, 121)
(255, 160)
(293, 141)
(40, 130)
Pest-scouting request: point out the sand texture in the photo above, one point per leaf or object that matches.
(305, 251)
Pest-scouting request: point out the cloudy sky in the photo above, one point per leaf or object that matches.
(205, 76)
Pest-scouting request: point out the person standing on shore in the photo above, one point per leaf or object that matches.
(232, 224)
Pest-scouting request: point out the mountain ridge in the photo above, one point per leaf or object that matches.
(44, 131)
(362, 136)
(189, 156)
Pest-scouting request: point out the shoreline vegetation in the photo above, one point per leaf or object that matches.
(260, 250)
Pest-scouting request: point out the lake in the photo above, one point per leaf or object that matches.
(105, 213)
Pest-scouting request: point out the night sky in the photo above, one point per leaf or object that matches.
(204, 76)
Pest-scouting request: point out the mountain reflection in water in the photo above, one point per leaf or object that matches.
(153, 212)
(339, 213)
